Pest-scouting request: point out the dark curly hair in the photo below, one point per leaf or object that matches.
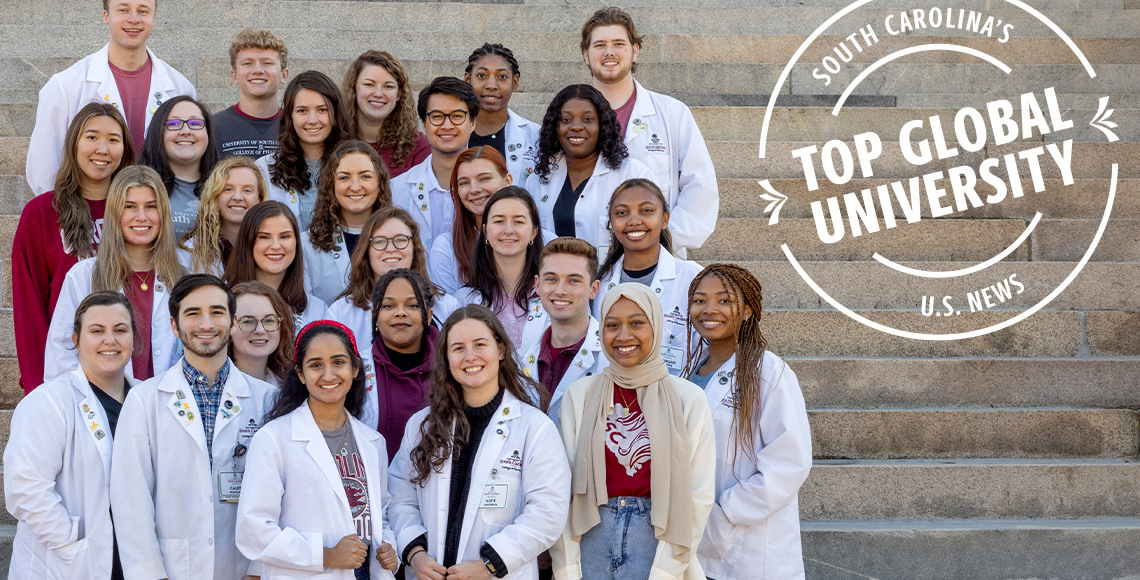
(611, 147)
(326, 212)
(489, 49)
(288, 169)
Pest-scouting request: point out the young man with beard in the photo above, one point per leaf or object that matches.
(258, 64)
(659, 130)
(447, 109)
(124, 73)
(179, 453)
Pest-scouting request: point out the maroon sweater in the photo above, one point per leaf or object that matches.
(39, 265)
(400, 394)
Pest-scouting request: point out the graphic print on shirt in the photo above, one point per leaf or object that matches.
(351, 470)
(96, 234)
(627, 438)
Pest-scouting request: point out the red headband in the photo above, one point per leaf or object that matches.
(332, 323)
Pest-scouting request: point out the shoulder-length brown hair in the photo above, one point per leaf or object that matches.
(112, 266)
(281, 361)
(206, 232)
(288, 169)
(446, 428)
(464, 230)
(326, 213)
(361, 277)
(400, 130)
(242, 267)
(75, 219)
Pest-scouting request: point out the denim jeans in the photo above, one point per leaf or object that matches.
(622, 546)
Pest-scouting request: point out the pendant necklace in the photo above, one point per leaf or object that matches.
(142, 282)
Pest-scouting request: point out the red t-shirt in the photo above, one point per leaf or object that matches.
(625, 111)
(419, 152)
(553, 362)
(134, 92)
(627, 448)
(142, 301)
(39, 265)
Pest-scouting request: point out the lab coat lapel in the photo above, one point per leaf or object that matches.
(94, 418)
(638, 119)
(100, 73)
(583, 359)
(305, 429)
(229, 407)
(486, 458)
(183, 407)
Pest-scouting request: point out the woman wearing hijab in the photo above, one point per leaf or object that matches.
(633, 432)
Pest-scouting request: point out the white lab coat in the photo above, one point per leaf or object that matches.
(443, 266)
(536, 323)
(59, 352)
(315, 310)
(276, 193)
(57, 469)
(671, 285)
(326, 273)
(588, 361)
(164, 491)
(754, 528)
(416, 190)
(89, 80)
(663, 134)
(520, 449)
(521, 146)
(293, 503)
(592, 211)
(216, 268)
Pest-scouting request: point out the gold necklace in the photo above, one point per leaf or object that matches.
(624, 403)
(142, 282)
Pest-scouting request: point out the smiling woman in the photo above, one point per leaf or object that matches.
(180, 147)
(233, 187)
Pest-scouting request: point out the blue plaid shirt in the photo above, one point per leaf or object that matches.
(208, 397)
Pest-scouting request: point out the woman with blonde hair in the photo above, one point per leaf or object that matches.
(377, 97)
(137, 257)
(234, 186)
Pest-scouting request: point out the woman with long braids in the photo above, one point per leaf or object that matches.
(493, 73)
(234, 186)
(581, 159)
(378, 107)
(641, 447)
(763, 442)
(315, 487)
(62, 226)
(310, 128)
(480, 484)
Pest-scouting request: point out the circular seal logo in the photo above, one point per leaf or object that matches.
(954, 186)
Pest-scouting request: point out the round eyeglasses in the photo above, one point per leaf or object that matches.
(249, 323)
(380, 243)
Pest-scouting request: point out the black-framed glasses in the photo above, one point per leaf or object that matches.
(380, 243)
(249, 323)
(176, 124)
(436, 117)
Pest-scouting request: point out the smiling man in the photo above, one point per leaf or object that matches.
(124, 73)
(447, 109)
(259, 65)
(659, 131)
(179, 454)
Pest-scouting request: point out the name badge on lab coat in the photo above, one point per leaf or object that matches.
(674, 357)
(494, 496)
(229, 485)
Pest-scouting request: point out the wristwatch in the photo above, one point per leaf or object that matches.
(490, 567)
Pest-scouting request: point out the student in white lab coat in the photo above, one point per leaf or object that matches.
(506, 262)
(641, 251)
(234, 186)
(581, 160)
(658, 130)
(136, 256)
(493, 73)
(571, 348)
(314, 499)
(763, 442)
(57, 464)
(480, 484)
(353, 186)
(179, 453)
(268, 250)
(311, 126)
(94, 79)
(261, 341)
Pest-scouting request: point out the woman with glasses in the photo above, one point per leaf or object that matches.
(581, 160)
(234, 186)
(378, 106)
(393, 243)
(311, 126)
(352, 187)
(261, 342)
(180, 146)
(493, 73)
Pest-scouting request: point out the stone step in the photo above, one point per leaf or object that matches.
(987, 549)
(973, 433)
(970, 488)
(893, 383)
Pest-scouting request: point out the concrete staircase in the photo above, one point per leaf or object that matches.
(1011, 455)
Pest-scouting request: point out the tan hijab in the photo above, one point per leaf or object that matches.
(671, 477)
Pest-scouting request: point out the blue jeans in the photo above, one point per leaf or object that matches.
(622, 546)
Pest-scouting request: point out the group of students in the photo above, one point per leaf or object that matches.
(429, 305)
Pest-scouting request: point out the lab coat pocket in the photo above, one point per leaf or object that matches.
(721, 541)
(499, 499)
(69, 561)
(175, 557)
